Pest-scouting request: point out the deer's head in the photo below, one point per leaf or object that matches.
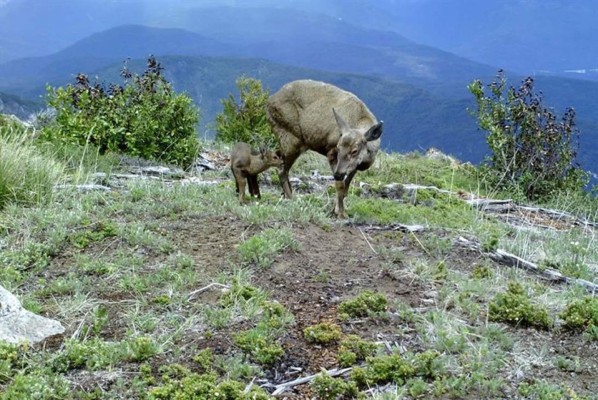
(351, 148)
(271, 158)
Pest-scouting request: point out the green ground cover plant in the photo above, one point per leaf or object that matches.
(262, 248)
(364, 304)
(515, 307)
(582, 314)
(324, 332)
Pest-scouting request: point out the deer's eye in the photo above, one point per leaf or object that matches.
(354, 152)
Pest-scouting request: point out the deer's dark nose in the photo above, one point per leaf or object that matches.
(339, 176)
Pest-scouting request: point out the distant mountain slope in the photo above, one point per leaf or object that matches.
(31, 28)
(528, 36)
(103, 49)
(323, 42)
(414, 118)
(11, 104)
(308, 41)
(432, 114)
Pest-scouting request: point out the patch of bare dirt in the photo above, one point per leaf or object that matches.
(332, 264)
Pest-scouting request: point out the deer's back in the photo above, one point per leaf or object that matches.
(304, 109)
(240, 156)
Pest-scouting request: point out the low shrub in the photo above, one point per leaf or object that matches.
(581, 314)
(323, 333)
(514, 307)
(366, 303)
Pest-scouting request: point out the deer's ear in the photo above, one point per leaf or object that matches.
(341, 122)
(374, 132)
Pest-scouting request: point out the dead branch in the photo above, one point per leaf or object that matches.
(203, 289)
(511, 260)
(367, 241)
(395, 227)
(300, 381)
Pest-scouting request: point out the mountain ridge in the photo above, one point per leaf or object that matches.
(438, 110)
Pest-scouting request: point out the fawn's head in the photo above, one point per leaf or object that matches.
(271, 158)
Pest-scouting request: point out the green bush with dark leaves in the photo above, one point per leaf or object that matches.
(533, 150)
(143, 118)
(515, 307)
(246, 120)
(581, 314)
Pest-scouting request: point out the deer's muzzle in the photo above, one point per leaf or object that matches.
(339, 176)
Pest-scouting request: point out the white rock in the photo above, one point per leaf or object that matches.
(19, 325)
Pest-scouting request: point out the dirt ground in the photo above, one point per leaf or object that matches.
(335, 264)
(332, 264)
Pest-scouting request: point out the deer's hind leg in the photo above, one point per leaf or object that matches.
(254, 188)
(240, 184)
(290, 149)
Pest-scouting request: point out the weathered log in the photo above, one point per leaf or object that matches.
(505, 258)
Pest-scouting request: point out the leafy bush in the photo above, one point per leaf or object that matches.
(515, 307)
(354, 349)
(37, 385)
(246, 121)
(324, 332)
(27, 176)
(533, 152)
(329, 388)
(581, 314)
(181, 384)
(397, 368)
(11, 359)
(364, 304)
(143, 118)
(260, 343)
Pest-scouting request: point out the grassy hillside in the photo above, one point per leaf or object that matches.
(169, 289)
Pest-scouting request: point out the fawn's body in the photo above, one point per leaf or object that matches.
(246, 164)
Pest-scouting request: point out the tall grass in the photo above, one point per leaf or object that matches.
(26, 175)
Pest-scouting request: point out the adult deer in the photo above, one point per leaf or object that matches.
(311, 115)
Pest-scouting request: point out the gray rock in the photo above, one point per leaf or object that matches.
(18, 325)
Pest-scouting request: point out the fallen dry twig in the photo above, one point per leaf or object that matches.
(203, 289)
(300, 381)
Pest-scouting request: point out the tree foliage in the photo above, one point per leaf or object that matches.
(246, 120)
(144, 117)
(533, 150)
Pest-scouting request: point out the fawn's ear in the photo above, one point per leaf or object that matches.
(278, 153)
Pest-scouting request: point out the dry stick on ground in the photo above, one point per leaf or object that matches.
(393, 227)
(502, 257)
(203, 289)
(300, 381)
(367, 241)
